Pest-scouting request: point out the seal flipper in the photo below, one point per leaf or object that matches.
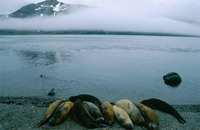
(51, 120)
(152, 126)
(100, 119)
(40, 123)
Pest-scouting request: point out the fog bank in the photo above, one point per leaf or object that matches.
(169, 16)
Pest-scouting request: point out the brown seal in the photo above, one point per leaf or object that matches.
(151, 119)
(122, 117)
(82, 116)
(132, 110)
(108, 113)
(61, 113)
(50, 111)
(94, 111)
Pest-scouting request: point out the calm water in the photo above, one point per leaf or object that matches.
(109, 67)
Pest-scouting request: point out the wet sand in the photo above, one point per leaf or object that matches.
(23, 112)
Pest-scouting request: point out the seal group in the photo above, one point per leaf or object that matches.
(90, 112)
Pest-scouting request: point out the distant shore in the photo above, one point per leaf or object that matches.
(24, 112)
(88, 32)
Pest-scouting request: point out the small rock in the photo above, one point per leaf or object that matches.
(172, 79)
(51, 93)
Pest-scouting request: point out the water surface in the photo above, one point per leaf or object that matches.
(111, 67)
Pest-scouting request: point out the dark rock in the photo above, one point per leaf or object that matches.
(51, 93)
(172, 79)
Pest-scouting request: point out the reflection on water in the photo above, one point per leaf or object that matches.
(38, 58)
(109, 67)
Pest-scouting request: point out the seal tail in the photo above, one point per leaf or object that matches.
(40, 123)
(181, 120)
(178, 117)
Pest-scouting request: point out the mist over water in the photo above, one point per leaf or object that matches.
(168, 16)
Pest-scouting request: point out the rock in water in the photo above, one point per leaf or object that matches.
(172, 79)
(51, 93)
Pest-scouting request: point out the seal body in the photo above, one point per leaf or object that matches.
(94, 111)
(122, 117)
(164, 107)
(108, 113)
(82, 116)
(87, 97)
(61, 113)
(132, 110)
(151, 119)
(50, 111)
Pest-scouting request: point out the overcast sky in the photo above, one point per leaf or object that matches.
(173, 16)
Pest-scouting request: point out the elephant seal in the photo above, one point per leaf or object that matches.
(87, 97)
(132, 110)
(81, 115)
(172, 79)
(164, 107)
(61, 113)
(94, 111)
(50, 111)
(108, 113)
(122, 117)
(151, 119)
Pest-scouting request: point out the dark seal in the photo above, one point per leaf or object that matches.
(94, 111)
(87, 97)
(81, 115)
(164, 107)
(172, 79)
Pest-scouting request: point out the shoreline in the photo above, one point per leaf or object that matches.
(24, 112)
(90, 32)
(46, 101)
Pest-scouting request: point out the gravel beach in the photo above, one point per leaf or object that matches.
(23, 112)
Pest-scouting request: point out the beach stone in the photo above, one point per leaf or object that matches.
(172, 79)
(51, 93)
